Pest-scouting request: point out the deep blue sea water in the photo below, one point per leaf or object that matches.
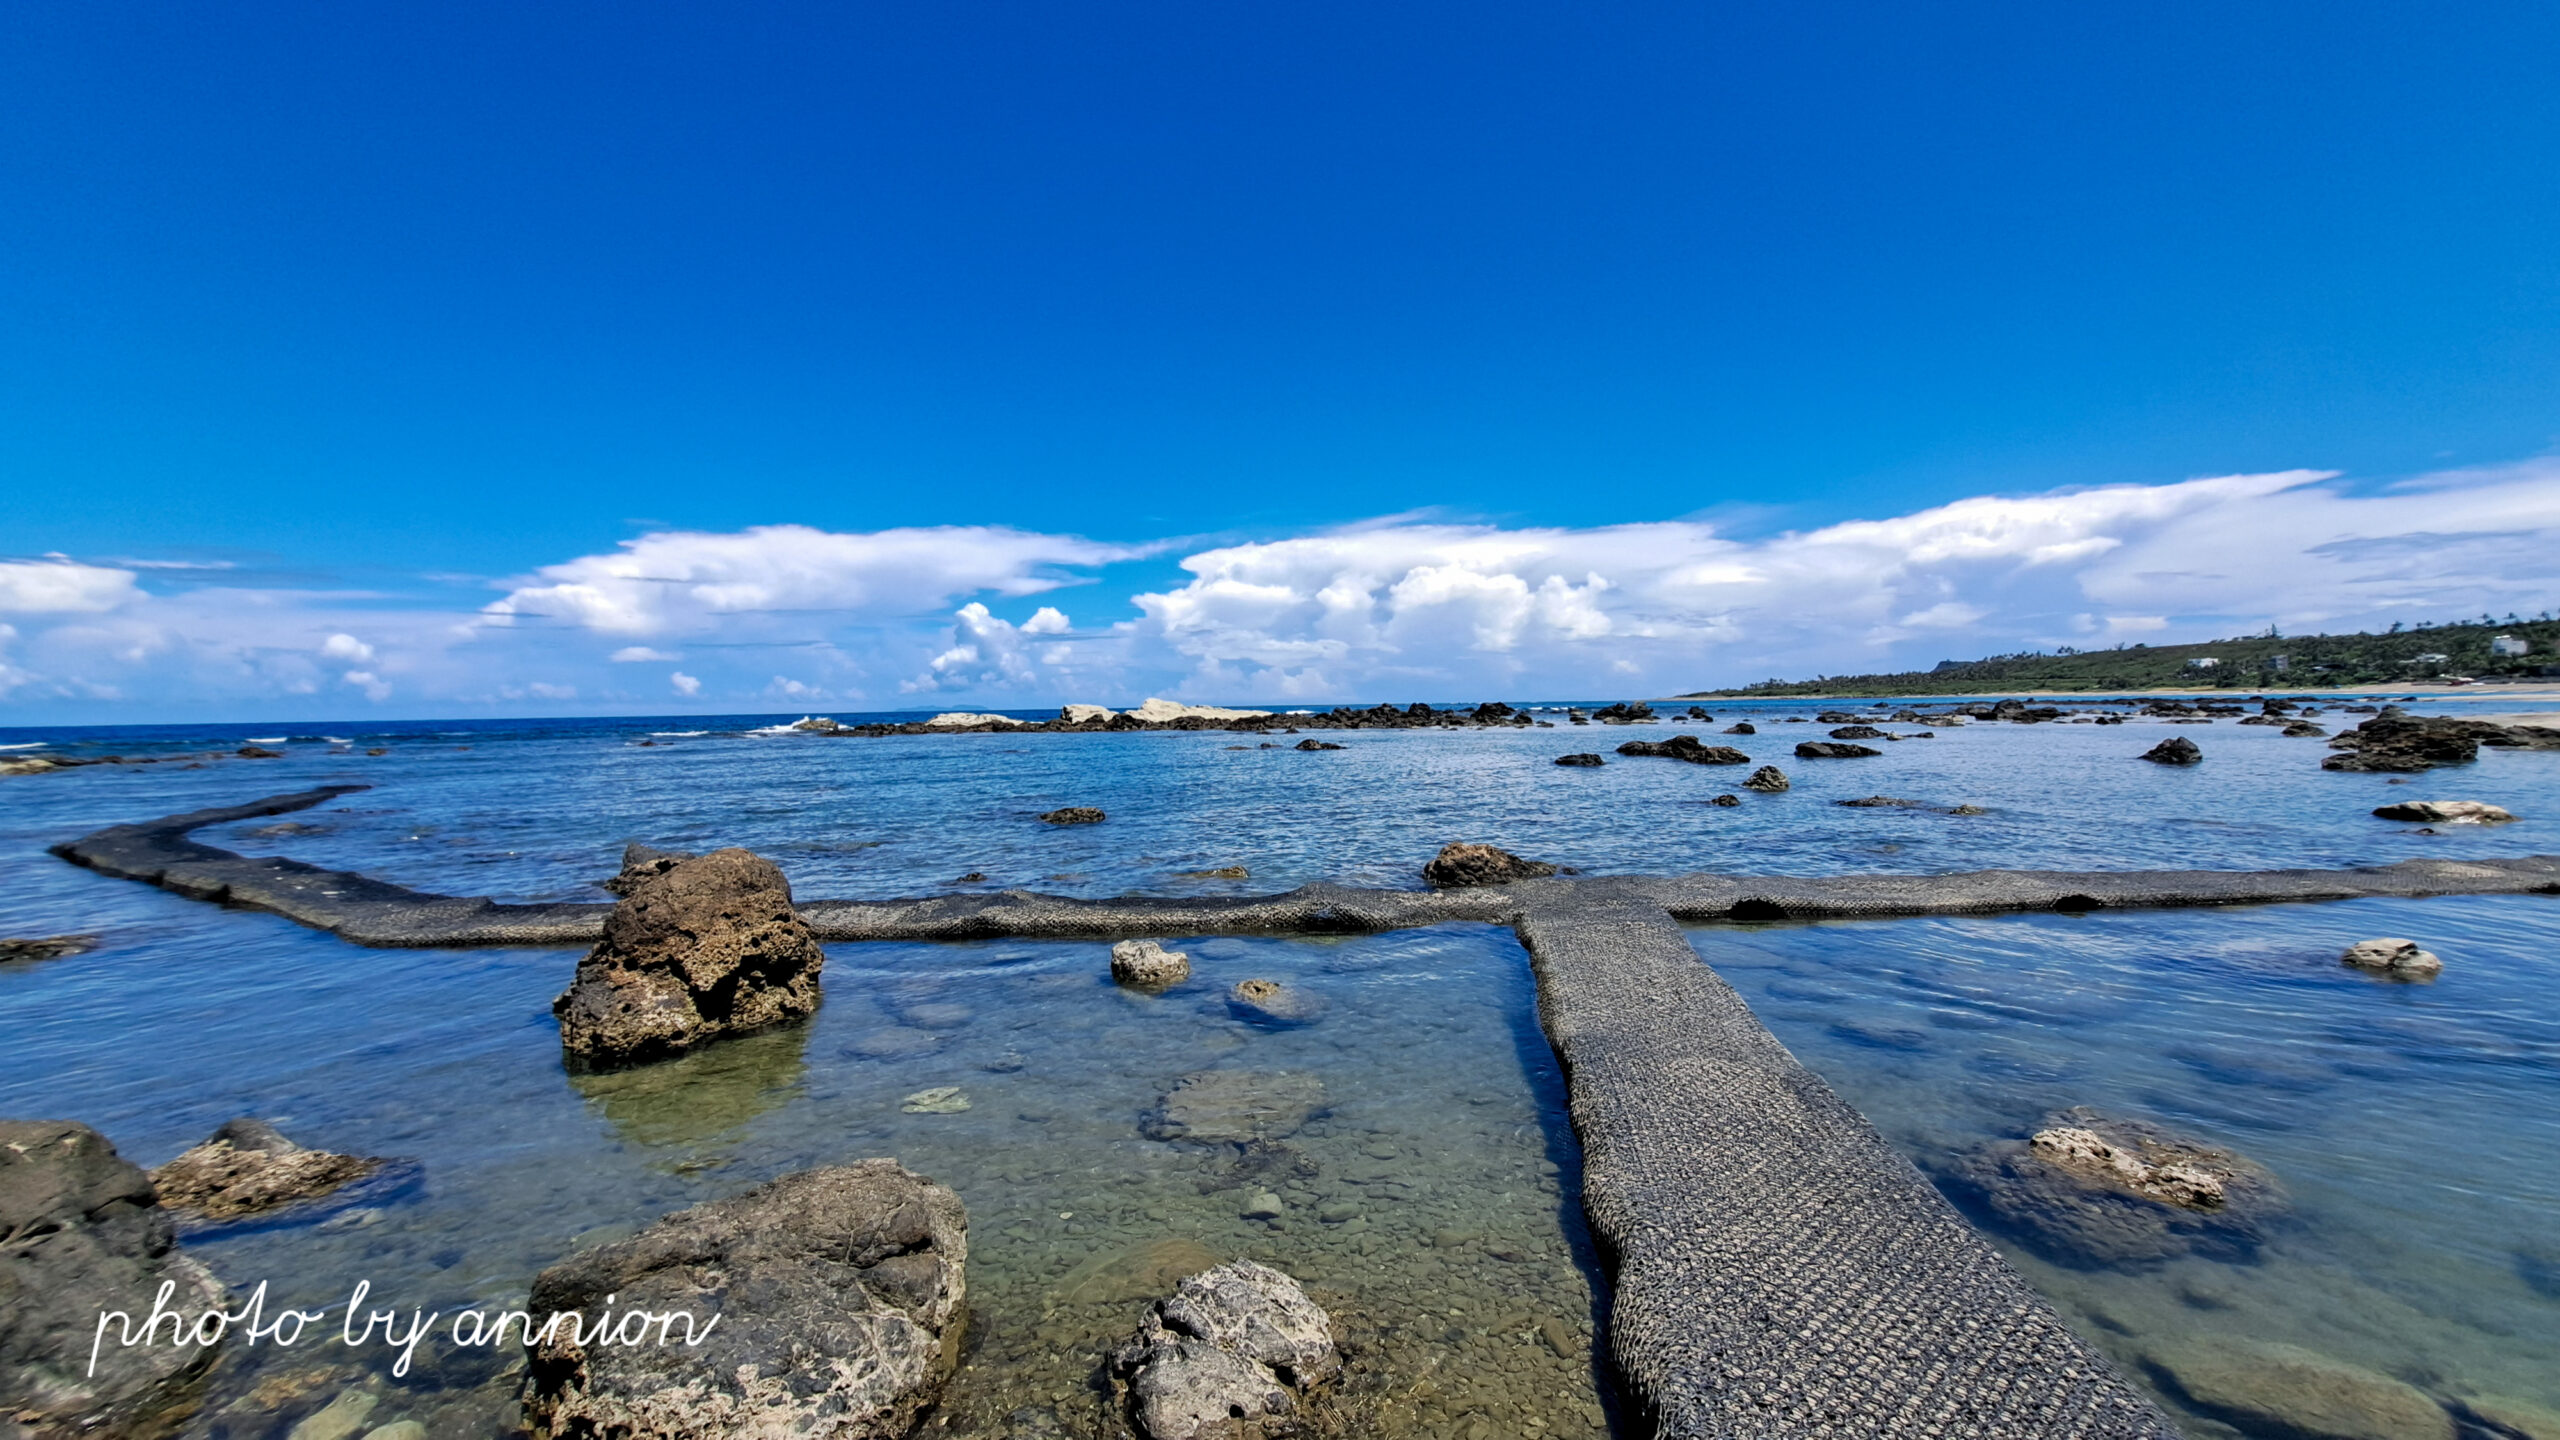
(2411, 1125)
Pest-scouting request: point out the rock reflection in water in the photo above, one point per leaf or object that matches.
(698, 1098)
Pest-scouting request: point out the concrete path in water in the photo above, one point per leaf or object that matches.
(1778, 1269)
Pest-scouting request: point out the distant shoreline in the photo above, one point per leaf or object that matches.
(2535, 692)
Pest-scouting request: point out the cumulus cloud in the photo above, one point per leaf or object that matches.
(1396, 609)
(689, 582)
(58, 586)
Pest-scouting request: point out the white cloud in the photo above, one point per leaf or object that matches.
(690, 582)
(57, 586)
(1397, 609)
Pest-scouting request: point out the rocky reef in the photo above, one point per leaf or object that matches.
(703, 948)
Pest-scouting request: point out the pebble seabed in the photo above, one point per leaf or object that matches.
(1774, 1267)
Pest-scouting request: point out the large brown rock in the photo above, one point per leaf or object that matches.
(706, 948)
(1460, 865)
(840, 1295)
(82, 1234)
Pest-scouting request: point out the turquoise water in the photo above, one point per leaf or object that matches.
(1456, 1258)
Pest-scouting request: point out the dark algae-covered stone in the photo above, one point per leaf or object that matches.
(1686, 747)
(1460, 865)
(2176, 750)
(82, 1236)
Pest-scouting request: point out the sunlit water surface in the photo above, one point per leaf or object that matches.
(2411, 1125)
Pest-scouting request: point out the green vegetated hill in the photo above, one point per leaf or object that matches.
(2257, 662)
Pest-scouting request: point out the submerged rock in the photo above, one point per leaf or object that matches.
(1460, 865)
(707, 948)
(2447, 812)
(1315, 744)
(2285, 1390)
(2176, 750)
(1074, 815)
(1235, 1106)
(1726, 800)
(1832, 750)
(1268, 1002)
(1140, 1272)
(2399, 959)
(1768, 779)
(1238, 1343)
(2092, 1191)
(248, 1168)
(1147, 965)
(1584, 759)
(87, 1236)
(1686, 747)
(1879, 802)
(46, 947)
(839, 1293)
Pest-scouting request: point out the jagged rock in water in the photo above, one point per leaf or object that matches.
(2302, 730)
(2091, 1191)
(1832, 750)
(2447, 812)
(1686, 747)
(2398, 742)
(2399, 959)
(1625, 712)
(2272, 1389)
(2176, 750)
(708, 948)
(1268, 1002)
(1074, 815)
(1460, 865)
(1147, 965)
(1238, 1343)
(1314, 744)
(1768, 779)
(1858, 732)
(1726, 800)
(1742, 727)
(247, 1168)
(839, 1293)
(642, 863)
(86, 1236)
(1585, 759)
(1235, 1106)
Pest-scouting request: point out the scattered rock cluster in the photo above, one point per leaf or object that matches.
(704, 948)
(2397, 742)
(1686, 747)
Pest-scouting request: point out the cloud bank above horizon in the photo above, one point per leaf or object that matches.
(783, 617)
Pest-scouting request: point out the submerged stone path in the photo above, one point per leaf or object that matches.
(1778, 1269)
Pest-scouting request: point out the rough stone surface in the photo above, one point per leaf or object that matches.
(1832, 750)
(641, 864)
(2288, 1391)
(246, 1168)
(839, 1290)
(2090, 1190)
(2176, 750)
(1235, 1106)
(1147, 965)
(1582, 759)
(1858, 732)
(1238, 1343)
(1768, 779)
(2401, 959)
(1686, 747)
(1074, 815)
(1269, 1002)
(710, 947)
(1460, 866)
(81, 1233)
(2448, 812)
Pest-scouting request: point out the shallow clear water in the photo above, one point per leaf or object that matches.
(2415, 1128)
(1444, 1142)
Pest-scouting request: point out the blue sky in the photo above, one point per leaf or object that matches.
(1458, 350)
